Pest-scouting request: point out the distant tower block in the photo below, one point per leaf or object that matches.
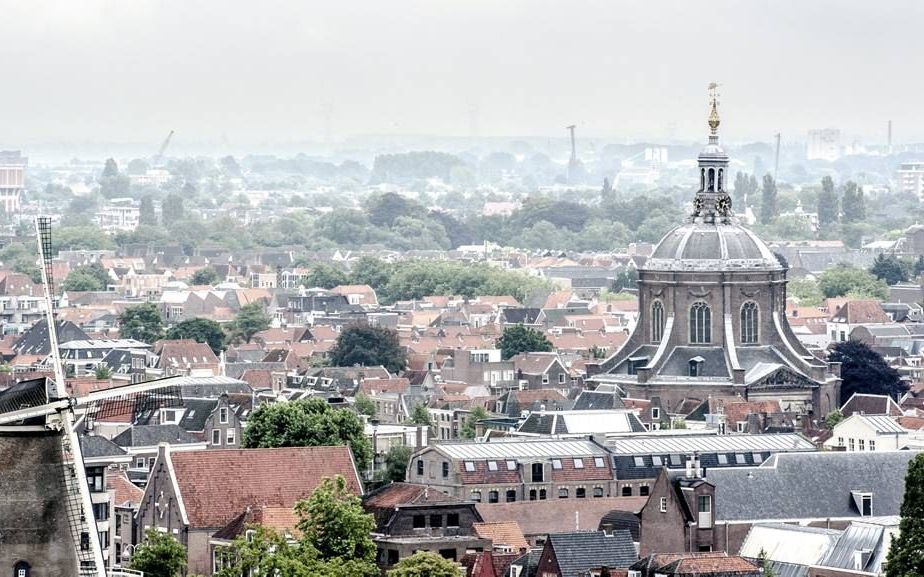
(12, 179)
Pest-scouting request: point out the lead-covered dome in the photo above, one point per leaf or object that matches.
(712, 246)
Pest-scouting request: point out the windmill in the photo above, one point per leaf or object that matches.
(49, 523)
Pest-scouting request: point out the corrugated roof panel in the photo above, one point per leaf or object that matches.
(521, 449)
(709, 443)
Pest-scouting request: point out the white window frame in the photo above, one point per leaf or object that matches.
(230, 436)
(216, 435)
(663, 505)
(223, 415)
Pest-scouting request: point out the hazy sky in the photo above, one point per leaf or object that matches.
(265, 71)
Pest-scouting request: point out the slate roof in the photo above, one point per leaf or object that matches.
(593, 400)
(576, 553)
(217, 485)
(811, 486)
(582, 422)
(622, 520)
(35, 340)
(713, 365)
(197, 412)
(94, 446)
(153, 435)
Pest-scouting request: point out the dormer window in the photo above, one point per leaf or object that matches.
(492, 465)
(864, 502)
(469, 466)
(696, 366)
(556, 464)
(578, 463)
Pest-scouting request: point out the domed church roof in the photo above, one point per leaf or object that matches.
(712, 238)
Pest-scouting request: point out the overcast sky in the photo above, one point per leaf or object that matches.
(263, 71)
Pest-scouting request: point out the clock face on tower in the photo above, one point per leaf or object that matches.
(697, 205)
(723, 205)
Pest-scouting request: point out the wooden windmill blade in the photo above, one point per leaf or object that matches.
(77, 503)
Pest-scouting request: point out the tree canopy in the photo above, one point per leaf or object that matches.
(335, 540)
(424, 564)
(159, 555)
(863, 370)
(250, 320)
(204, 276)
(906, 553)
(890, 269)
(200, 330)
(325, 276)
(308, 423)
(827, 203)
(369, 346)
(522, 339)
(846, 280)
(91, 277)
(141, 322)
(396, 461)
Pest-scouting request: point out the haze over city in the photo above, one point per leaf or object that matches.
(258, 74)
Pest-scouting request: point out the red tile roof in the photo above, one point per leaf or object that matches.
(217, 485)
(126, 493)
(502, 533)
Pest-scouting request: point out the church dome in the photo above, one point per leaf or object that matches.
(712, 246)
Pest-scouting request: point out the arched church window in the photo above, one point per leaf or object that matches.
(702, 179)
(750, 314)
(700, 323)
(721, 174)
(22, 569)
(657, 321)
(711, 180)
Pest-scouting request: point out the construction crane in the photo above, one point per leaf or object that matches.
(159, 157)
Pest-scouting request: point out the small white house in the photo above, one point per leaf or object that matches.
(867, 433)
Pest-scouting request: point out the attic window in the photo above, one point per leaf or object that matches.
(578, 463)
(599, 462)
(739, 458)
(639, 461)
(556, 464)
(511, 465)
(863, 502)
(469, 466)
(656, 460)
(756, 458)
(696, 366)
(675, 460)
(723, 459)
(492, 465)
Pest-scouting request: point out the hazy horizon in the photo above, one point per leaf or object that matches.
(248, 74)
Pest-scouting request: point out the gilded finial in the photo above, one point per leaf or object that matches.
(714, 113)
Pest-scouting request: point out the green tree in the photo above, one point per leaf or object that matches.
(889, 269)
(768, 194)
(102, 372)
(172, 209)
(424, 564)
(80, 238)
(113, 184)
(420, 416)
(370, 271)
(146, 213)
(364, 405)
(250, 320)
(844, 279)
(827, 203)
(863, 370)
(325, 276)
(833, 418)
(766, 567)
(806, 291)
(396, 461)
(906, 554)
(468, 426)
(159, 555)
(521, 339)
(142, 322)
(204, 276)
(369, 346)
(853, 205)
(334, 523)
(308, 423)
(200, 330)
(92, 277)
